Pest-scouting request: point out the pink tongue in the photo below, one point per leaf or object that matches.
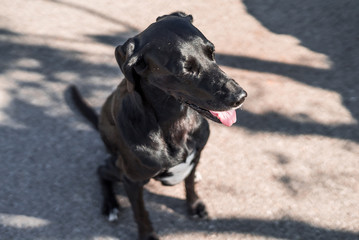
(227, 117)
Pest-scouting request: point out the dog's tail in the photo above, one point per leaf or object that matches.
(83, 106)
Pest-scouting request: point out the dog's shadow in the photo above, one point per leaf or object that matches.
(172, 205)
(169, 217)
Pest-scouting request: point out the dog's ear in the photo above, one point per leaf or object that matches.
(130, 61)
(177, 14)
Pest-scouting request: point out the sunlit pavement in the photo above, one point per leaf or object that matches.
(289, 168)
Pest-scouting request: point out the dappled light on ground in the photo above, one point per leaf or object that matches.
(288, 169)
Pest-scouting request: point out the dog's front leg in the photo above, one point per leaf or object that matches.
(134, 192)
(195, 205)
(108, 176)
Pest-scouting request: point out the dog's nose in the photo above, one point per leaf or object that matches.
(240, 98)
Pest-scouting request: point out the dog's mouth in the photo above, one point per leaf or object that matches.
(227, 118)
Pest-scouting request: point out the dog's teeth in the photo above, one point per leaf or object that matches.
(113, 216)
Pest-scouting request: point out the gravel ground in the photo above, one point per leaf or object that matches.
(288, 170)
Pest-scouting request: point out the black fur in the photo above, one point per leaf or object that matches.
(156, 118)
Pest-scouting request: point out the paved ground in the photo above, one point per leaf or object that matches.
(288, 170)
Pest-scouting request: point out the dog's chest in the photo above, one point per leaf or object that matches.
(178, 173)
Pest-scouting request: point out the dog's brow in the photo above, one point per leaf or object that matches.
(192, 46)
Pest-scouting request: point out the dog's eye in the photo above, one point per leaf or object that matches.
(188, 67)
(212, 56)
(191, 66)
(209, 51)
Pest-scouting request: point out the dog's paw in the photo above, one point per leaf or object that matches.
(198, 210)
(111, 211)
(151, 236)
(113, 215)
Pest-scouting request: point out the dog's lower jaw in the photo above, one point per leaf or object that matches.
(203, 112)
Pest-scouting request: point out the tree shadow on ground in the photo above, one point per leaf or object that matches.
(96, 13)
(327, 27)
(48, 165)
(48, 162)
(272, 121)
(275, 122)
(283, 228)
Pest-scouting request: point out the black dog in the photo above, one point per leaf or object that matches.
(153, 124)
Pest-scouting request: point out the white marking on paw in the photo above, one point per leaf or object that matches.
(113, 216)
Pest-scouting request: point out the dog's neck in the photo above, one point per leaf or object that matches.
(168, 110)
(176, 120)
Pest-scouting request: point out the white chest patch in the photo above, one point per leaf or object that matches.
(178, 173)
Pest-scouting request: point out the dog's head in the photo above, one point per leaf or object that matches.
(177, 58)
